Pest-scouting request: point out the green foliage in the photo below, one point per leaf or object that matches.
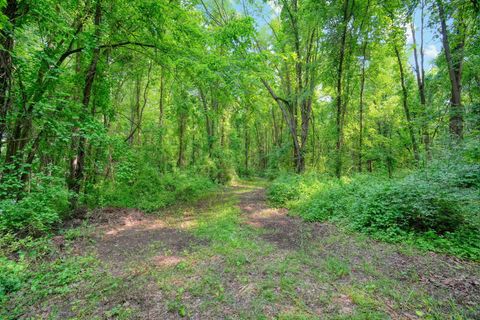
(288, 188)
(218, 168)
(36, 211)
(12, 276)
(23, 267)
(284, 189)
(411, 204)
(435, 209)
(148, 189)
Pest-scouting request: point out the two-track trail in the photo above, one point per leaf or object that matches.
(231, 256)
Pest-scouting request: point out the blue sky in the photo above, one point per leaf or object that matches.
(432, 45)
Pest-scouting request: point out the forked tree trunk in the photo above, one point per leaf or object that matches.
(454, 63)
(406, 109)
(420, 75)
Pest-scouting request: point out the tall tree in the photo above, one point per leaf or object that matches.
(79, 142)
(454, 58)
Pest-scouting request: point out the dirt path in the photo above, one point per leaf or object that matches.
(230, 256)
(445, 279)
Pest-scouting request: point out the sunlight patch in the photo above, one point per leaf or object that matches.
(167, 261)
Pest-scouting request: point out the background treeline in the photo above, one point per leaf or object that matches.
(109, 104)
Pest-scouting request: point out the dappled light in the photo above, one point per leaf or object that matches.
(167, 261)
(241, 159)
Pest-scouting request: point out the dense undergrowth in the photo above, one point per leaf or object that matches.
(152, 192)
(436, 209)
(28, 223)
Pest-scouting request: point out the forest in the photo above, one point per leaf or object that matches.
(240, 159)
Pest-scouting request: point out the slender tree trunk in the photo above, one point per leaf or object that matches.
(161, 111)
(339, 99)
(406, 108)
(247, 146)
(362, 88)
(10, 11)
(181, 140)
(161, 101)
(78, 161)
(420, 75)
(276, 139)
(454, 63)
(208, 122)
(135, 112)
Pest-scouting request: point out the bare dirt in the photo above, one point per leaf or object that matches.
(444, 277)
(131, 245)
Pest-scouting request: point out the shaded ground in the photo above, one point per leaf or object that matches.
(230, 256)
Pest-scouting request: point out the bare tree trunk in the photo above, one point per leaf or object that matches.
(339, 102)
(406, 108)
(420, 75)
(181, 142)
(362, 88)
(454, 63)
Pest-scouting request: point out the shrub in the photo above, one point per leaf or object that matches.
(284, 189)
(410, 205)
(289, 188)
(12, 275)
(437, 208)
(38, 210)
(151, 190)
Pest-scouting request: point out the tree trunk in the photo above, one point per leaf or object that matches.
(420, 75)
(362, 88)
(208, 122)
(181, 142)
(10, 11)
(339, 102)
(406, 108)
(247, 146)
(289, 117)
(454, 63)
(78, 161)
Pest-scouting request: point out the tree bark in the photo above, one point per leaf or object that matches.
(362, 88)
(181, 142)
(406, 108)
(339, 102)
(420, 75)
(454, 63)
(6, 63)
(77, 162)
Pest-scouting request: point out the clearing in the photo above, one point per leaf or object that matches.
(230, 256)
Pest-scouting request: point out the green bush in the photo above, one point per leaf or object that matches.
(151, 190)
(436, 209)
(12, 276)
(218, 167)
(284, 189)
(36, 211)
(288, 188)
(410, 205)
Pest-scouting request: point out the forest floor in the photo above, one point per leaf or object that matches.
(230, 256)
